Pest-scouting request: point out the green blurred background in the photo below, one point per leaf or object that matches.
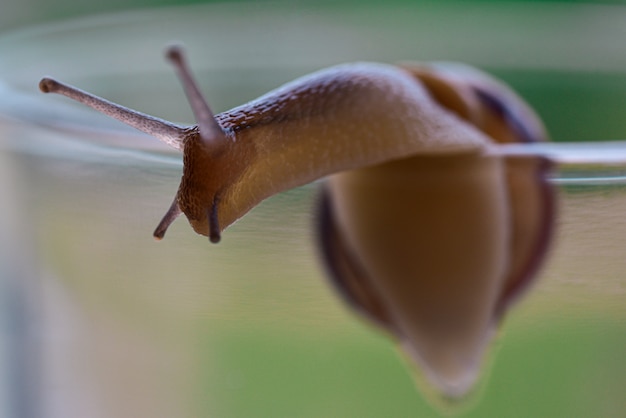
(17, 13)
(269, 339)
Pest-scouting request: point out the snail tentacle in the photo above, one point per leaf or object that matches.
(210, 130)
(170, 216)
(168, 132)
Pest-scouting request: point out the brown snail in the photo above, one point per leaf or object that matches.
(426, 229)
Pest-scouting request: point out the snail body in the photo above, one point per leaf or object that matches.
(424, 228)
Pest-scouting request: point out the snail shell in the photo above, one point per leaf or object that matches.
(425, 229)
(460, 235)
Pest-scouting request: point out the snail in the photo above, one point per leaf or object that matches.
(425, 228)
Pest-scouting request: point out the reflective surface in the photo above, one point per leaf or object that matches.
(99, 320)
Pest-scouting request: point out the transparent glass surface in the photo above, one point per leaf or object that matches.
(98, 320)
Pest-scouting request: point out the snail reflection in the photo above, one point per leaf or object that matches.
(426, 229)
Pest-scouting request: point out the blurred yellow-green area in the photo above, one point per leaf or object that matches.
(250, 328)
